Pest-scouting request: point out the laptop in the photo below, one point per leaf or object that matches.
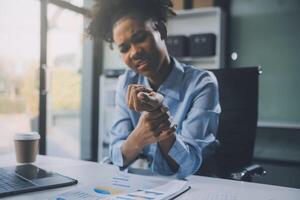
(28, 178)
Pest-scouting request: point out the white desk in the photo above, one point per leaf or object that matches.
(203, 188)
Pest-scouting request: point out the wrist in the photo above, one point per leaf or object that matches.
(130, 150)
(168, 142)
(135, 141)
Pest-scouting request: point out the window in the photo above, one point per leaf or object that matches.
(27, 46)
(64, 62)
(19, 69)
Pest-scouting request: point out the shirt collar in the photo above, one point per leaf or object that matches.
(170, 87)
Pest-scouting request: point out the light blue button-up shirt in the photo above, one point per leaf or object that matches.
(192, 97)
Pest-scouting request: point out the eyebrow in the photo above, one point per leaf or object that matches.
(132, 37)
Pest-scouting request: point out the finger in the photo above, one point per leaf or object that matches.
(164, 135)
(173, 128)
(147, 90)
(135, 101)
(133, 89)
(143, 97)
(128, 96)
(157, 115)
(142, 88)
(161, 128)
(138, 104)
(131, 96)
(160, 116)
(157, 126)
(153, 126)
(166, 125)
(163, 122)
(153, 99)
(146, 107)
(164, 109)
(156, 96)
(151, 139)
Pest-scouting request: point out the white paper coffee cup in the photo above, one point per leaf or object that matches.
(26, 146)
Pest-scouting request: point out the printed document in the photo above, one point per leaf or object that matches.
(127, 186)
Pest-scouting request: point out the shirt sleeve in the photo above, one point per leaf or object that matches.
(196, 133)
(122, 125)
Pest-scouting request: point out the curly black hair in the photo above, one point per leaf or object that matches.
(106, 12)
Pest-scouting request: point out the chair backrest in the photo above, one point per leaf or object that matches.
(238, 88)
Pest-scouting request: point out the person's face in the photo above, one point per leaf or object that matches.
(140, 45)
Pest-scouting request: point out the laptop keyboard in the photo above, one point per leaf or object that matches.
(10, 182)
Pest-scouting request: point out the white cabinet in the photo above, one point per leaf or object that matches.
(108, 84)
(198, 21)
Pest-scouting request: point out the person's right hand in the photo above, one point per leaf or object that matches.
(152, 127)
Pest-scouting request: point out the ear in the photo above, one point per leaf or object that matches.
(162, 28)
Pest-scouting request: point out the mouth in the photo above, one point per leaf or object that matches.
(142, 64)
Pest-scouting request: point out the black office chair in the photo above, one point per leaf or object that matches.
(238, 89)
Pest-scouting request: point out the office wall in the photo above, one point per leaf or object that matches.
(266, 33)
(278, 151)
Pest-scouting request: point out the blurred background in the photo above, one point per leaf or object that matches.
(55, 80)
(20, 73)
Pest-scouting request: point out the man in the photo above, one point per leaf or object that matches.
(166, 110)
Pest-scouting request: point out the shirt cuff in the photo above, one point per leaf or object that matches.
(116, 154)
(159, 164)
(178, 150)
(188, 160)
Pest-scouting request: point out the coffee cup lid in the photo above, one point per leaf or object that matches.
(27, 136)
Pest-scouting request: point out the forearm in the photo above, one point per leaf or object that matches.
(185, 152)
(165, 146)
(130, 149)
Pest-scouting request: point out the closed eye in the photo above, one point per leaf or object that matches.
(124, 48)
(139, 37)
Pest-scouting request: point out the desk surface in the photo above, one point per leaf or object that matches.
(203, 188)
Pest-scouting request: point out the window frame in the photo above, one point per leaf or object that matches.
(90, 82)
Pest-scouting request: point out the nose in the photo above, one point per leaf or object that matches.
(136, 52)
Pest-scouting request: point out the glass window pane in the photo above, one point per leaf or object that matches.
(19, 69)
(65, 47)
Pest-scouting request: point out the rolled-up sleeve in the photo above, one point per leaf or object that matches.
(196, 132)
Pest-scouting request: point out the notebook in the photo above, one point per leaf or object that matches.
(28, 178)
